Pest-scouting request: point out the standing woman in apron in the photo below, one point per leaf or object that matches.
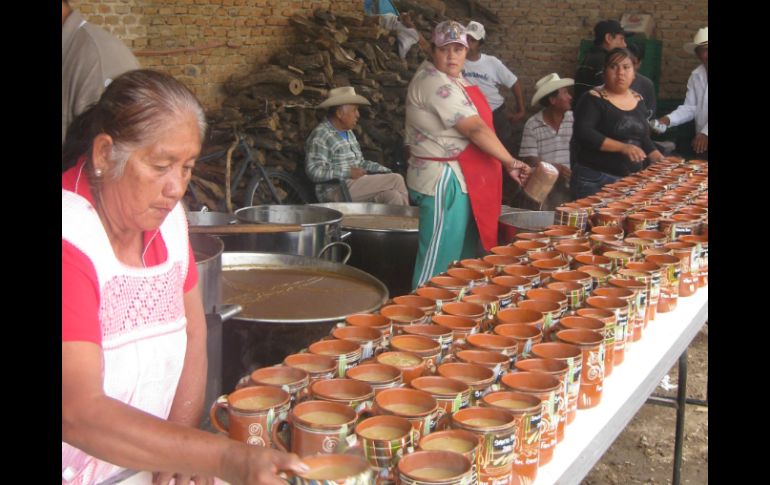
(455, 158)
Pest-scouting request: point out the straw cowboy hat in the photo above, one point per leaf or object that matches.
(343, 95)
(548, 84)
(701, 38)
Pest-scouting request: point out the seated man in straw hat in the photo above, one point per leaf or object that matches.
(332, 152)
(548, 132)
(696, 102)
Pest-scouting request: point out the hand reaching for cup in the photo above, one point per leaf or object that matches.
(633, 152)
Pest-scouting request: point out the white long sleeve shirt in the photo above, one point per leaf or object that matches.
(696, 102)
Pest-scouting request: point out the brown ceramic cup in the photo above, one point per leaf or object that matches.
(418, 407)
(420, 467)
(253, 412)
(591, 345)
(317, 366)
(316, 427)
(479, 378)
(525, 336)
(528, 412)
(573, 357)
(546, 388)
(555, 368)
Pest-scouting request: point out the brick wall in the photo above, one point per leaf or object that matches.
(534, 38)
(246, 32)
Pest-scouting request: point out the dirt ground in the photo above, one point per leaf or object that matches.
(644, 451)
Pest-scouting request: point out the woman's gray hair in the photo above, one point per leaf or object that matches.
(133, 109)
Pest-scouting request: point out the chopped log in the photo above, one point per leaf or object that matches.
(304, 49)
(295, 70)
(211, 187)
(342, 58)
(202, 196)
(351, 19)
(370, 33)
(270, 123)
(374, 96)
(324, 15)
(380, 136)
(368, 52)
(328, 70)
(370, 83)
(265, 142)
(320, 92)
(304, 25)
(277, 159)
(341, 80)
(267, 75)
(388, 78)
(409, 5)
(438, 5)
(303, 62)
(314, 78)
(232, 115)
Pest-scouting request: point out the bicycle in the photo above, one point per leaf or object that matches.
(266, 186)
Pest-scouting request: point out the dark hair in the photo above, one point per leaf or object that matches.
(132, 110)
(637, 50)
(616, 55)
(545, 101)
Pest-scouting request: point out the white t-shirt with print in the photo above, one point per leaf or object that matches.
(434, 104)
(487, 73)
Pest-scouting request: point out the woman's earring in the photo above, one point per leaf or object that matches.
(98, 172)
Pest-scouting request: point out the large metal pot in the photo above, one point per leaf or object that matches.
(320, 230)
(388, 253)
(208, 259)
(207, 250)
(289, 301)
(525, 221)
(209, 219)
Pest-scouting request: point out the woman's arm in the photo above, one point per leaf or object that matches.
(118, 433)
(474, 128)
(188, 400)
(519, 114)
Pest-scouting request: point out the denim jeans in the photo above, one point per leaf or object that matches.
(587, 181)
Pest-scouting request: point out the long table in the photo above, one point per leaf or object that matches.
(625, 391)
(587, 438)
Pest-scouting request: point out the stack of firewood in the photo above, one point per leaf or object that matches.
(273, 107)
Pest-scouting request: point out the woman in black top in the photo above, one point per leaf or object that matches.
(610, 137)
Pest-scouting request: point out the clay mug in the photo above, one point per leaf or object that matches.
(434, 468)
(411, 365)
(335, 470)
(318, 367)
(379, 376)
(316, 427)
(554, 368)
(591, 345)
(358, 395)
(571, 355)
(607, 317)
(525, 336)
(479, 378)
(496, 429)
(527, 411)
(418, 407)
(253, 412)
(294, 381)
(384, 440)
(548, 389)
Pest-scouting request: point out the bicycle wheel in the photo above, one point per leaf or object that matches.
(287, 189)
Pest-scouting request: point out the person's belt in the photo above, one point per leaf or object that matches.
(437, 159)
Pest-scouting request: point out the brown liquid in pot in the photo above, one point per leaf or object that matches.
(290, 294)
